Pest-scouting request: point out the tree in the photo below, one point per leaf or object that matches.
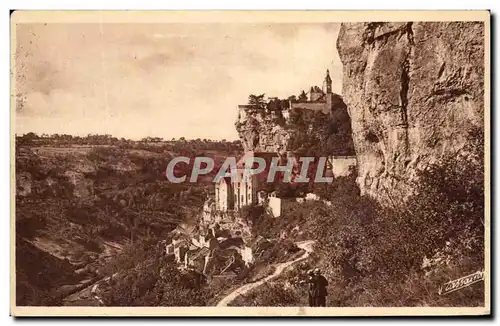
(256, 101)
(302, 97)
(31, 136)
(274, 104)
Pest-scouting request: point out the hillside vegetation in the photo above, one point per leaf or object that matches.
(82, 215)
(78, 206)
(394, 255)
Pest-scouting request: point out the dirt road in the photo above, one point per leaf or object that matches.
(306, 245)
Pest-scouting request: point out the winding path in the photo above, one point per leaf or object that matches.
(306, 245)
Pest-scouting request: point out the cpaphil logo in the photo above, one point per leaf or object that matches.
(461, 283)
(295, 170)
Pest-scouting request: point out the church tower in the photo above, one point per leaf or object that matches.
(329, 94)
(328, 82)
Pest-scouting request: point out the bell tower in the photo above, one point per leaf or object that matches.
(329, 94)
(328, 82)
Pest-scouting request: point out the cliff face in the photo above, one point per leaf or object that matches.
(299, 131)
(262, 132)
(412, 91)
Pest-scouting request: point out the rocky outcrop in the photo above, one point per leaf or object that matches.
(24, 182)
(297, 131)
(412, 91)
(261, 132)
(82, 187)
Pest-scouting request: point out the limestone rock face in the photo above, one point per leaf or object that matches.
(263, 133)
(82, 187)
(297, 131)
(412, 90)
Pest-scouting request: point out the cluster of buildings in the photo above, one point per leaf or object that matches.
(317, 99)
(233, 192)
(231, 195)
(213, 252)
(320, 99)
(223, 239)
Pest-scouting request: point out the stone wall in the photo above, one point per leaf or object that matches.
(319, 106)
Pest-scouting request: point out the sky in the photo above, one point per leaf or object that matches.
(166, 80)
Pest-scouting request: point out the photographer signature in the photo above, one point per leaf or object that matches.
(461, 283)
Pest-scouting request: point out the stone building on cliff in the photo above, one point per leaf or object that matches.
(320, 99)
(235, 193)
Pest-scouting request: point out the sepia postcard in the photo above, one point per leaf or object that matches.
(250, 163)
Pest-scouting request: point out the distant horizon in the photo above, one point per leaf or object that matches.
(162, 80)
(133, 139)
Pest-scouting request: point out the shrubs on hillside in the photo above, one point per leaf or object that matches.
(374, 255)
(124, 207)
(144, 277)
(251, 213)
(449, 201)
(341, 187)
(318, 134)
(280, 251)
(268, 295)
(371, 251)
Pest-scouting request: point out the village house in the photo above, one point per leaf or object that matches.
(196, 252)
(276, 205)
